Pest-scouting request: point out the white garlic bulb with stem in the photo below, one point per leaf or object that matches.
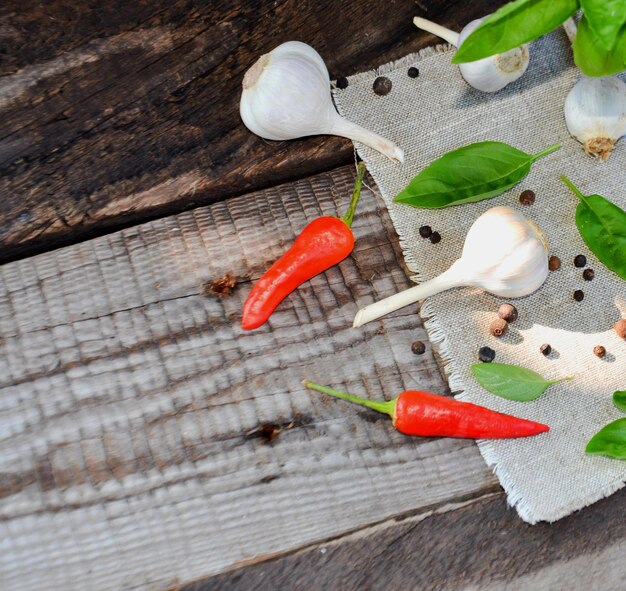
(504, 253)
(595, 114)
(286, 95)
(595, 109)
(489, 74)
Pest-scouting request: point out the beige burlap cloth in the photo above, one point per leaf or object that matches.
(548, 476)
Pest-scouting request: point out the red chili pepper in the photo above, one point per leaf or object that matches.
(425, 414)
(323, 243)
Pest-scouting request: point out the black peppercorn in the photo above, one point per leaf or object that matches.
(382, 86)
(342, 82)
(508, 312)
(527, 197)
(599, 351)
(580, 260)
(435, 237)
(588, 274)
(425, 231)
(413, 72)
(545, 349)
(486, 354)
(554, 263)
(418, 348)
(498, 327)
(579, 295)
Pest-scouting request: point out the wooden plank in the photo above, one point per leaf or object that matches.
(146, 440)
(479, 545)
(116, 112)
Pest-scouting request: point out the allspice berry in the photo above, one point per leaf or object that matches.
(588, 274)
(527, 197)
(508, 312)
(382, 86)
(418, 347)
(425, 231)
(498, 327)
(554, 263)
(620, 328)
(545, 349)
(599, 351)
(486, 354)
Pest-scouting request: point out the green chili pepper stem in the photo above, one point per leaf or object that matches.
(547, 151)
(384, 407)
(356, 194)
(574, 189)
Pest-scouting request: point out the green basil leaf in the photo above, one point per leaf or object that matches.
(609, 441)
(592, 58)
(606, 18)
(513, 25)
(511, 381)
(472, 173)
(619, 399)
(602, 225)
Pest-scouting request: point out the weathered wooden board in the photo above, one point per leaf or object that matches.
(146, 441)
(116, 112)
(477, 546)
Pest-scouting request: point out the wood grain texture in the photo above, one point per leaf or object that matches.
(479, 545)
(145, 440)
(112, 113)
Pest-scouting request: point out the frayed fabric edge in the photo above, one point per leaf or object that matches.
(524, 510)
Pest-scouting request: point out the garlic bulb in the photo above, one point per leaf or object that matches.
(595, 109)
(595, 114)
(489, 74)
(504, 253)
(286, 95)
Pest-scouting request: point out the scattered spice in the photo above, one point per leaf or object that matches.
(498, 327)
(579, 295)
(435, 237)
(599, 351)
(554, 263)
(418, 347)
(342, 83)
(413, 72)
(545, 349)
(426, 231)
(382, 86)
(527, 197)
(620, 328)
(580, 260)
(588, 274)
(486, 354)
(508, 312)
(221, 287)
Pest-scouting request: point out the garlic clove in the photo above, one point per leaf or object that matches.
(286, 95)
(504, 253)
(595, 114)
(489, 74)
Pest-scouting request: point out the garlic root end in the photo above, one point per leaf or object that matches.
(599, 147)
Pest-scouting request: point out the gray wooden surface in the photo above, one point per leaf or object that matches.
(136, 415)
